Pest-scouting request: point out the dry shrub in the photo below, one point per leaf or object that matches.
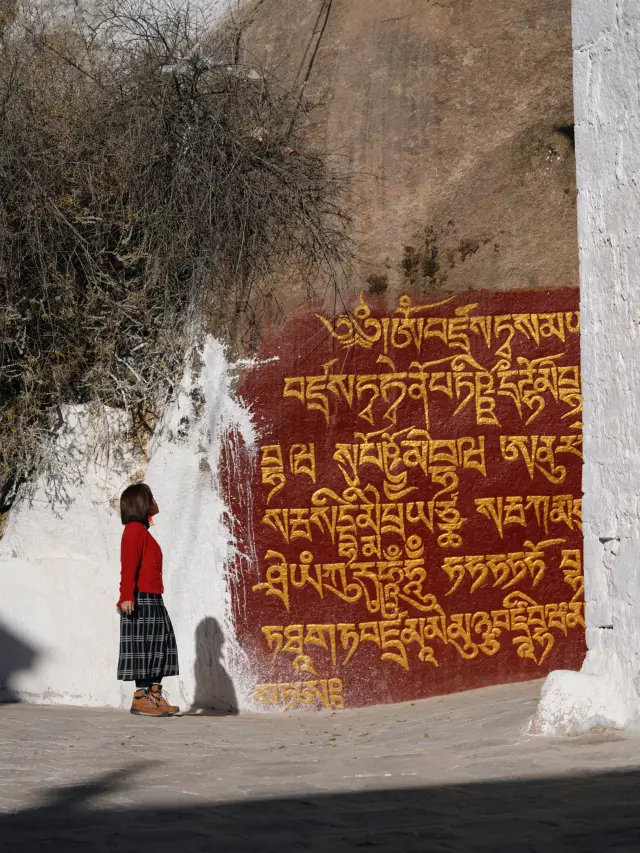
(147, 178)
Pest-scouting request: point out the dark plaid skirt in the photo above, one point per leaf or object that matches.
(148, 647)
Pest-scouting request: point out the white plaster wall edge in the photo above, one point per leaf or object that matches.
(61, 610)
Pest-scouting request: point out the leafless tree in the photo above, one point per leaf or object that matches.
(150, 184)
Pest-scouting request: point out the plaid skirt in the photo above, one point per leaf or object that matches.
(148, 647)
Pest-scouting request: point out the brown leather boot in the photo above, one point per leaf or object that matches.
(158, 697)
(144, 704)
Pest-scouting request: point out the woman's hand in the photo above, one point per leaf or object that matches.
(126, 607)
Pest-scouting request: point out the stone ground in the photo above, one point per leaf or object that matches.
(456, 773)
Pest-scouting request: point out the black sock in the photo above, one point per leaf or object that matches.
(143, 683)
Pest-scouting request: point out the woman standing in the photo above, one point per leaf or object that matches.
(148, 650)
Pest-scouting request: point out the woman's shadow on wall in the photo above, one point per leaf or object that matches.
(15, 656)
(214, 690)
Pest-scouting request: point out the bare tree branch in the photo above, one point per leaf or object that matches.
(150, 184)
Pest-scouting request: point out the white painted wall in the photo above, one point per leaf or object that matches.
(606, 38)
(59, 574)
(59, 570)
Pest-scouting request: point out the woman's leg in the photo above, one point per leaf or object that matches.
(144, 683)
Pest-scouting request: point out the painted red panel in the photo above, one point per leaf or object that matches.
(412, 525)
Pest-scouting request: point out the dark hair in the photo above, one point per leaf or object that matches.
(136, 504)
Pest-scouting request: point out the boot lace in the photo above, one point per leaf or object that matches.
(159, 694)
(153, 697)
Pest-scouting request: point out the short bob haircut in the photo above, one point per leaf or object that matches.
(136, 504)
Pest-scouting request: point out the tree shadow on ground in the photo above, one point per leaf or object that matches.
(15, 656)
(214, 690)
(585, 814)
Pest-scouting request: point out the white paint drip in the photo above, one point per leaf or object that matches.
(59, 571)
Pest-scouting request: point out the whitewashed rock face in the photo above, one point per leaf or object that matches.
(606, 37)
(59, 572)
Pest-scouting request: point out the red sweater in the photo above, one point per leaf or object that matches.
(141, 561)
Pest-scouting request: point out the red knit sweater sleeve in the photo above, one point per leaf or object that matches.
(130, 559)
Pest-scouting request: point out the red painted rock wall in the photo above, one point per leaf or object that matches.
(413, 522)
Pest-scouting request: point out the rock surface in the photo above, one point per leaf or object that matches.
(455, 117)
